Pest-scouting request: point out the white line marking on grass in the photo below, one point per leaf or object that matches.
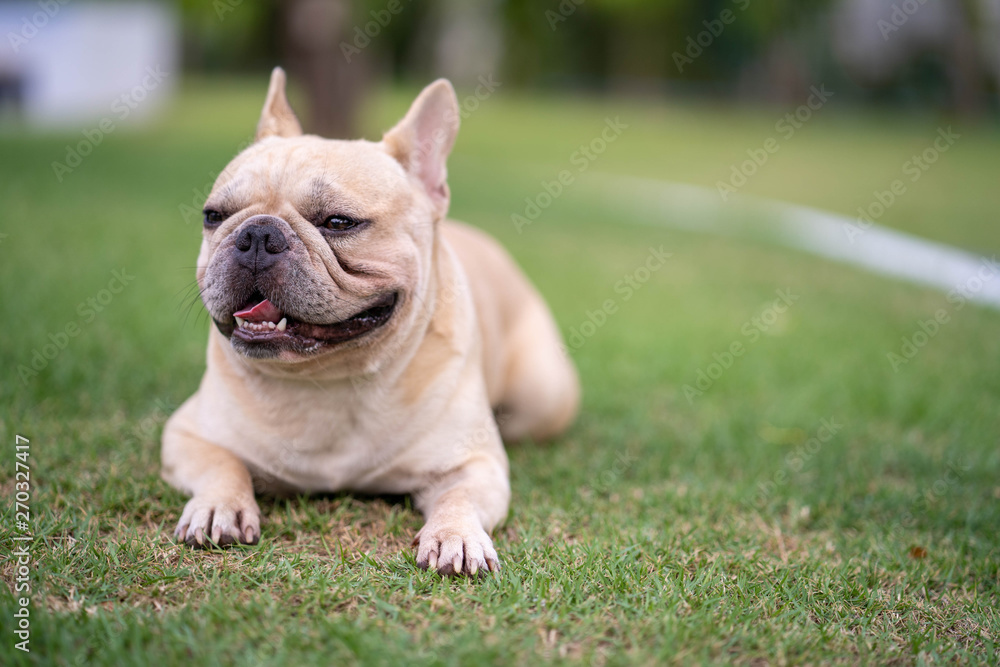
(837, 237)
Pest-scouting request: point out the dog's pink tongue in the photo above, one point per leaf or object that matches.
(265, 311)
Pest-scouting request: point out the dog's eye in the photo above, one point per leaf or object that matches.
(213, 218)
(338, 223)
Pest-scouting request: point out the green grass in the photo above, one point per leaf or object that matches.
(657, 530)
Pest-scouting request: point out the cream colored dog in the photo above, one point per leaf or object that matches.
(361, 341)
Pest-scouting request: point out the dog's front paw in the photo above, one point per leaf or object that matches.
(223, 520)
(456, 548)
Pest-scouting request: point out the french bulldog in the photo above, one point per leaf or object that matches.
(361, 341)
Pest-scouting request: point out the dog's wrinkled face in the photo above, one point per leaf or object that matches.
(313, 245)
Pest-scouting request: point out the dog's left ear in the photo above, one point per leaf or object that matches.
(422, 141)
(277, 119)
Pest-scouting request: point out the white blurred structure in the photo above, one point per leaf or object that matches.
(875, 39)
(70, 63)
(469, 43)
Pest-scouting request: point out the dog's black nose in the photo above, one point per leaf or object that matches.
(261, 243)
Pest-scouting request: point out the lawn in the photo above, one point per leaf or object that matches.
(800, 502)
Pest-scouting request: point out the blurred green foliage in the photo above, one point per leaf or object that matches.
(766, 50)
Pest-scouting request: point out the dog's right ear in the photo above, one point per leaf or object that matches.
(422, 141)
(277, 119)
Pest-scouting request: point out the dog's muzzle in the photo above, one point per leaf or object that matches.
(261, 243)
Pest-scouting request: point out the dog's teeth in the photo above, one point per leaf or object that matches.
(262, 327)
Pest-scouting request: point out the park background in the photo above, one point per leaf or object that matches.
(767, 231)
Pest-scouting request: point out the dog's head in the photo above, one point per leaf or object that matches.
(317, 247)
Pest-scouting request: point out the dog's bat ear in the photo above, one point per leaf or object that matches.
(277, 119)
(422, 141)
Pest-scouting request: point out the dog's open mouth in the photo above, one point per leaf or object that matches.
(261, 323)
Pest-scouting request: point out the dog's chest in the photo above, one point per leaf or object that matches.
(320, 441)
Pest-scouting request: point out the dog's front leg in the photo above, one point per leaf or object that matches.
(461, 508)
(222, 506)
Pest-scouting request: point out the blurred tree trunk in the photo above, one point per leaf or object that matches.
(313, 33)
(964, 68)
(780, 75)
(469, 40)
(638, 54)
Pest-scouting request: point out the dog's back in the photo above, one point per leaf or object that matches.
(529, 378)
